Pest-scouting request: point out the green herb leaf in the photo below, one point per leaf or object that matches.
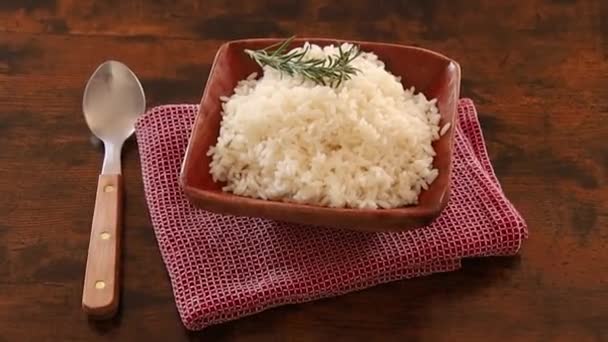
(332, 71)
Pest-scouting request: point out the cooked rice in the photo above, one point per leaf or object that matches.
(365, 144)
(444, 129)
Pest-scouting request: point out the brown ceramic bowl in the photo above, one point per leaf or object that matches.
(435, 75)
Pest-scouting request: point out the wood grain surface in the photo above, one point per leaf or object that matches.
(537, 70)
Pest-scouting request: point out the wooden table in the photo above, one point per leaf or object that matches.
(537, 70)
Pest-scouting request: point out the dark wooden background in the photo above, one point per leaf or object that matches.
(538, 71)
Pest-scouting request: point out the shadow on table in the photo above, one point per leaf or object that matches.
(103, 327)
(404, 309)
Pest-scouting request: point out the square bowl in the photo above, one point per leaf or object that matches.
(431, 73)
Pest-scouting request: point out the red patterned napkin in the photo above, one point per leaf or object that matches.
(225, 267)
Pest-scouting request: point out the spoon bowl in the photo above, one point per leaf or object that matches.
(113, 100)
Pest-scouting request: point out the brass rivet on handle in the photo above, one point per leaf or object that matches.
(100, 284)
(108, 188)
(104, 235)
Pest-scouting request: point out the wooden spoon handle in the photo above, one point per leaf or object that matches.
(101, 281)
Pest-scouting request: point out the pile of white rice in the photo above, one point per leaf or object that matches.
(365, 144)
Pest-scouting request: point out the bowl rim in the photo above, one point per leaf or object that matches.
(414, 211)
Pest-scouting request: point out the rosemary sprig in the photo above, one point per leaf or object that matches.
(331, 71)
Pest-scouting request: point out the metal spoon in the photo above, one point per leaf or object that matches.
(113, 100)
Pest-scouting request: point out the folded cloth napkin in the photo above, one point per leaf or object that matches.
(225, 267)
